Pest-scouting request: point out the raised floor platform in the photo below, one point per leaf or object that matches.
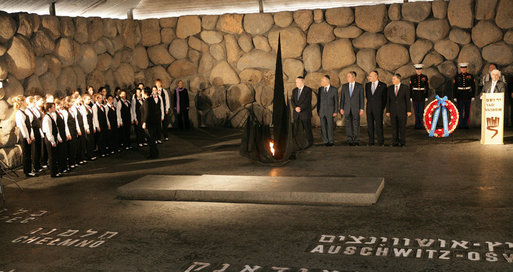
(359, 191)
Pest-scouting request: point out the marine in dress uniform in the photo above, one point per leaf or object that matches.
(419, 89)
(464, 90)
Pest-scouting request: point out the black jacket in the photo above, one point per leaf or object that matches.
(304, 102)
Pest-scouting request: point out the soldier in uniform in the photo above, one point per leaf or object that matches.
(464, 90)
(419, 86)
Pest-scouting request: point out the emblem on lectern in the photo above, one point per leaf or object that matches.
(492, 124)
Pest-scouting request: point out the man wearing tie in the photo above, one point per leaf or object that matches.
(351, 107)
(495, 85)
(302, 105)
(398, 109)
(376, 93)
(327, 105)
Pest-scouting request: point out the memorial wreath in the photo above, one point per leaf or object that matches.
(450, 117)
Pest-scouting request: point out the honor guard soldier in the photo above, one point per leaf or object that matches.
(419, 86)
(464, 90)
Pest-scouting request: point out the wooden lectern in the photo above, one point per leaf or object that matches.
(492, 118)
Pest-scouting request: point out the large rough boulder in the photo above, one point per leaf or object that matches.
(217, 51)
(366, 59)
(318, 16)
(312, 58)
(349, 32)
(258, 23)
(448, 69)
(159, 54)
(128, 33)
(233, 51)
(293, 68)
(459, 36)
(140, 57)
(261, 43)
(419, 49)
(230, 23)
(439, 9)
(181, 68)
(41, 67)
(370, 40)
(104, 62)
(508, 37)
(124, 75)
(433, 29)
(42, 43)
(223, 74)
(245, 42)
(67, 81)
(4, 69)
(416, 11)
(211, 37)
(471, 54)
(95, 79)
(392, 56)
(238, 96)
(447, 48)
(99, 47)
(197, 44)
(436, 80)
(32, 84)
(206, 63)
(168, 22)
(293, 41)
(252, 76)
(167, 35)
(339, 16)
(150, 31)
(485, 9)
(64, 51)
(400, 32)
(499, 53)
(81, 32)
(485, 33)
(303, 18)
(283, 19)
(188, 26)
(320, 33)
(256, 59)
(80, 77)
(88, 58)
(21, 58)
(504, 17)
(95, 29)
(337, 54)
(406, 71)
(371, 18)
(13, 88)
(67, 27)
(178, 49)
(52, 24)
(432, 59)
(8, 26)
(209, 22)
(110, 29)
(157, 72)
(460, 13)
(394, 12)
(54, 65)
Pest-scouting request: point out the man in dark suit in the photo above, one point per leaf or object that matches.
(151, 118)
(351, 107)
(327, 105)
(495, 85)
(398, 109)
(302, 105)
(376, 93)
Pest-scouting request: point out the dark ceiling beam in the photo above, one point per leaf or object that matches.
(261, 5)
(52, 8)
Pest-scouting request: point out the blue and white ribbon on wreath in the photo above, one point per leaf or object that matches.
(441, 104)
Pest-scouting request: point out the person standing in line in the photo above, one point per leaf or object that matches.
(302, 107)
(181, 106)
(52, 137)
(73, 129)
(157, 99)
(327, 105)
(164, 94)
(398, 109)
(61, 115)
(88, 110)
(151, 119)
(137, 102)
(112, 120)
(37, 118)
(23, 122)
(464, 90)
(351, 107)
(376, 93)
(419, 89)
(124, 119)
(101, 124)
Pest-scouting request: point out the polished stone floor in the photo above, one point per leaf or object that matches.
(446, 206)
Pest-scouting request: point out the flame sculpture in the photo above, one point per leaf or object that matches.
(271, 147)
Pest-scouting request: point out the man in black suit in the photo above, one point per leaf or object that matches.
(151, 118)
(376, 93)
(302, 105)
(398, 109)
(327, 105)
(351, 107)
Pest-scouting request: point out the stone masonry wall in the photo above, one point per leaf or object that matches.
(227, 61)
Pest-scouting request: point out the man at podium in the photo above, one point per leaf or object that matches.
(492, 114)
(495, 85)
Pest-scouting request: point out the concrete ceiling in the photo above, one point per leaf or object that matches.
(143, 9)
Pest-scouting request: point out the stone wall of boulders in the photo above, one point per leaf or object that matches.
(227, 61)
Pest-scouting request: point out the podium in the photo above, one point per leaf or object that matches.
(492, 118)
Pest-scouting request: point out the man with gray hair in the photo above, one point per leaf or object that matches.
(495, 85)
(327, 105)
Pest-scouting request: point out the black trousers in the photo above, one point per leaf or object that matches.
(124, 134)
(52, 158)
(464, 110)
(81, 147)
(62, 153)
(418, 108)
(26, 150)
(102, 140)
(398, 128)
(183, 119)
(165, 125)
(90, 145)
(45, 153)
(36, 151)
(113, 138)
(139, 133)
(375, 120)
(352, 127)
(72, 150)
(307, 124)
(151, 133)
